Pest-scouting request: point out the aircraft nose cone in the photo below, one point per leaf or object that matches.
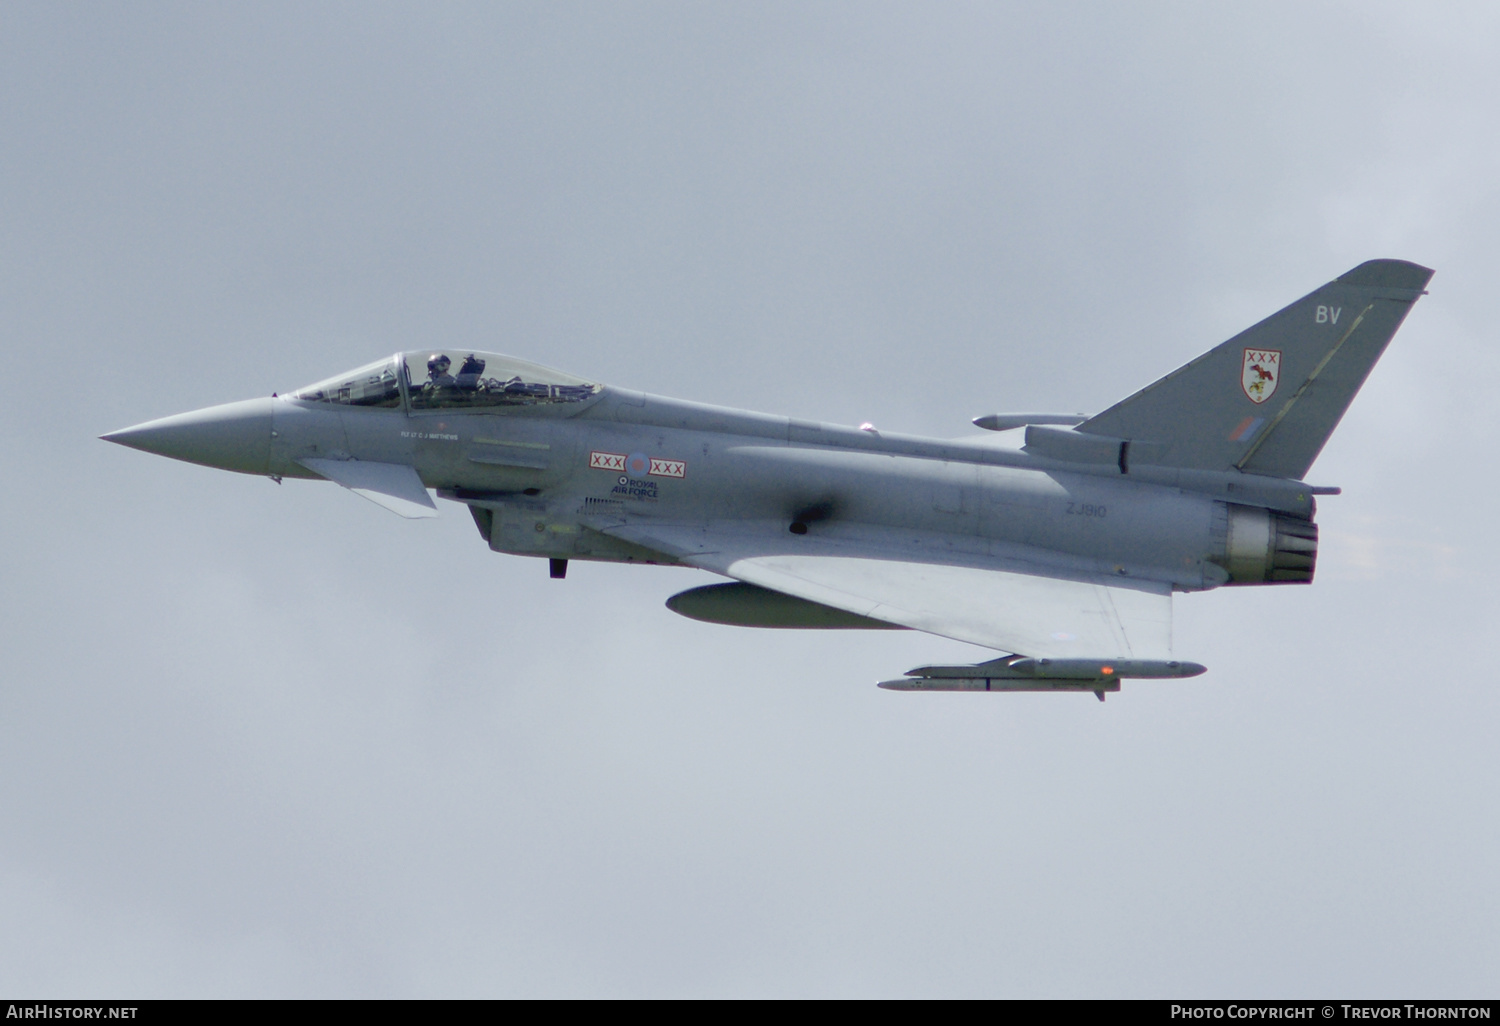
(234, 436)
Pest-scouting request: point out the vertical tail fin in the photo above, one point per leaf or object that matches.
(1266, 401)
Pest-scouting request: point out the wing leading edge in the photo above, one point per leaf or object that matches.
(1037, 606)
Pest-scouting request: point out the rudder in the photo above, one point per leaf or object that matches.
(1266, 401)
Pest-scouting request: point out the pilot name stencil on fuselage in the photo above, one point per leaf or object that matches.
(1065, 552)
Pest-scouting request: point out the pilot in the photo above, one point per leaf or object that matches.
(437, 369)
(468, 374)
(438, 389)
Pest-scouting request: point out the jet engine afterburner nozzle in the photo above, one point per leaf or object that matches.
(1264, 547)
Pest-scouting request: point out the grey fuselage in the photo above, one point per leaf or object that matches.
(1066, 548)
(547, 480)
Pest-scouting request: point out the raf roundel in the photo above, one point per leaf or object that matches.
(637, 464)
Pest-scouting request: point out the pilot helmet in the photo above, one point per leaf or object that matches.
(438, 363)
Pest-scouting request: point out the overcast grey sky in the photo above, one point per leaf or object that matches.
(261, 740)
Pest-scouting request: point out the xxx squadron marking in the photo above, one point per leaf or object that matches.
(638, 464)
(1260, 373)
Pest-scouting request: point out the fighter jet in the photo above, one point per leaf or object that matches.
(1062, 554)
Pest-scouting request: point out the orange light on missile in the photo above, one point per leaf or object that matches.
(1106, 670)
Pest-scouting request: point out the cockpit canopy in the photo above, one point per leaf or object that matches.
(447, 380)
(371, 385)
(439, 380)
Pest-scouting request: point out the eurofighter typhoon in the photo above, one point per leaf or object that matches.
(1062, 555)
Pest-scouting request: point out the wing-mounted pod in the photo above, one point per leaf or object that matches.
(1260, 546)
(1019, 673)
(745, 605)
(1011, 421)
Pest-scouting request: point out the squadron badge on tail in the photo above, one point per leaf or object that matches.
(1259, 373)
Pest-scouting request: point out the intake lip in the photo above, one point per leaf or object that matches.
(232, 436)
